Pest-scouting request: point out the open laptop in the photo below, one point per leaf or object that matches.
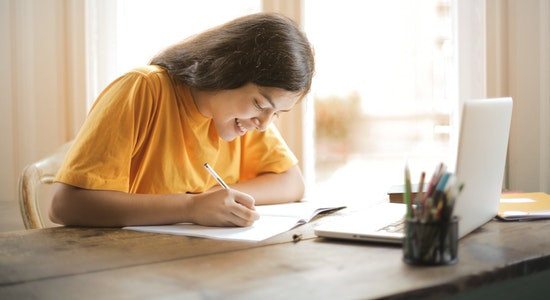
(480, 163)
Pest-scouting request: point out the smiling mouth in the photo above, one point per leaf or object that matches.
(241, 127)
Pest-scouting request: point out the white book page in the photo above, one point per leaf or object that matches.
(265, 227)
(274, 219)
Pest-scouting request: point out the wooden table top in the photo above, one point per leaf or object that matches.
(114, 263)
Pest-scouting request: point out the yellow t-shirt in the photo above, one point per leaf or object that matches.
(145, 135)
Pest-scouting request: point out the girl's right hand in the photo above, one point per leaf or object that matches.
(225, 207)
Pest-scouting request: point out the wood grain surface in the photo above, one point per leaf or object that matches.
(100, 263)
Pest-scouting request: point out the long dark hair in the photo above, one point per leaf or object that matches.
(265, 49)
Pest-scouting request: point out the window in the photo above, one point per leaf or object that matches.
(381, 92)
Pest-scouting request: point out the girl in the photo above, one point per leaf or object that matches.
(139, 157)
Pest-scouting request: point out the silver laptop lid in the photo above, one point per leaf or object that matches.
(481, 159)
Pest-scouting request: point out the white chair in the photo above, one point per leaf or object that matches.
(33, 188)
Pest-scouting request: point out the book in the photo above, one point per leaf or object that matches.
(396, 192)
(274, 219)
(524, 206)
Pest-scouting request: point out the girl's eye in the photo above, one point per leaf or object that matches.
(257, 105)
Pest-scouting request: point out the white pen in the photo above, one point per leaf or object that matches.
(215, 175)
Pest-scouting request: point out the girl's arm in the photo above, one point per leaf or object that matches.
(271, 188)
(219, 207)
(82, 207)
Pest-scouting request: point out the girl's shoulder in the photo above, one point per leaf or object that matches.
(152, 75)
(150, 72)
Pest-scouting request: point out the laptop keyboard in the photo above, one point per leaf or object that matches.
(396, 227)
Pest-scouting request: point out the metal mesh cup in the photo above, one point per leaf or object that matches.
(431, 243)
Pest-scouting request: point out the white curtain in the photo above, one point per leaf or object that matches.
(42, 82)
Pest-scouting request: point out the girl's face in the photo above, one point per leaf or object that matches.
(247, 108)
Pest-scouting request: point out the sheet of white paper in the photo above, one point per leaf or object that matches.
(274, 219)
(524, 215)
(265, 227)
(516, 200)
(300, 210)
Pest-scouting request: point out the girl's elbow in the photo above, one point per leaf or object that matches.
(300, 190)
(58, 212)
(54, 217)
(296, 180)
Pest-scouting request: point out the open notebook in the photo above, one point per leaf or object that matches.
(481, 157)
(274, 219)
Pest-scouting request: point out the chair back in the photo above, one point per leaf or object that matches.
(35, 188)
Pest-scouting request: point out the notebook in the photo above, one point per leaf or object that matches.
(480, 163)
(524, 206)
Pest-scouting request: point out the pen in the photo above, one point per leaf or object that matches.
(407, 197)
(419, 195)
(434, 180)
(440, 187)
(215, 175)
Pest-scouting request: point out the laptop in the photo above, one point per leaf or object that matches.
(480, 163)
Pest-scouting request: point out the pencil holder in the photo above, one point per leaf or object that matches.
(431, 243)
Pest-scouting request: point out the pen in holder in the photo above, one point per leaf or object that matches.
(431, 230)
(431, 243)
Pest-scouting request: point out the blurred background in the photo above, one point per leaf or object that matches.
(390, 78)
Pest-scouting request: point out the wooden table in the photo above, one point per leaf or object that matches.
(88, 263)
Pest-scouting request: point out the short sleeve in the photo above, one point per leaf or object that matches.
(265, 152)
(100, 157)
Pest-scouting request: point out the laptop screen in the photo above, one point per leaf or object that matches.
(481, 160)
